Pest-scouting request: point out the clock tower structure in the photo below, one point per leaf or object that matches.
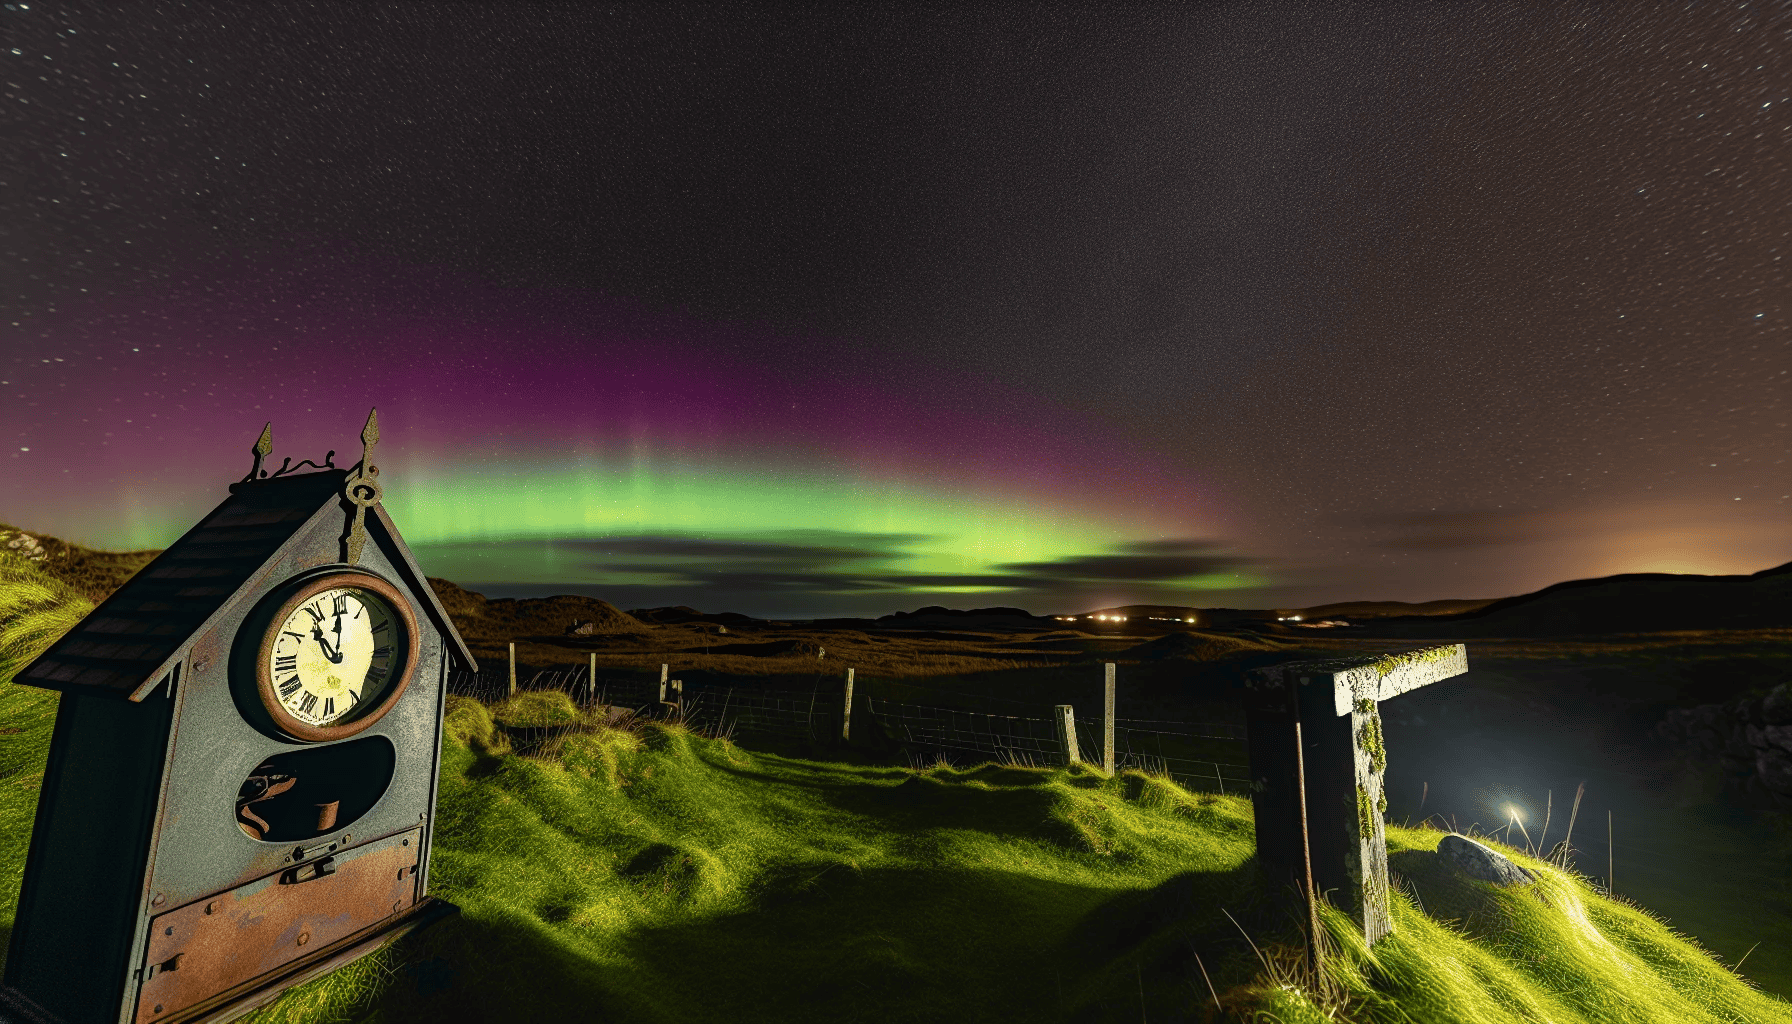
(241, 786)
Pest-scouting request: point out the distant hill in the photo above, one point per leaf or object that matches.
(480, 618)
(936, 617)
(91, 573)
(1389, 609)
(1643, 602)
(679, 614)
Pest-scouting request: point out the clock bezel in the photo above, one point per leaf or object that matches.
(297, 594)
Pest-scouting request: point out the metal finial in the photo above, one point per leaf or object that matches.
(263, 447)
(362, 490)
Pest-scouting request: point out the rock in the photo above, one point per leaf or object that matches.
(1707, 742)
(1737, 744)
(1756, 738)
(1673, 726)
(1709, 716)
(1748, 710)
(1477, 861)
(1776, 707)
(1779, 736)
(1774, 768)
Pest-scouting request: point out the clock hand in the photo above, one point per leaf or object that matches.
(334, 655)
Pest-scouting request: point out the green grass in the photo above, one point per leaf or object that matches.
(35, 609)
(611, 868)
(650, 874)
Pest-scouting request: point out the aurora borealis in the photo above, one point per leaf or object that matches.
(809, 313)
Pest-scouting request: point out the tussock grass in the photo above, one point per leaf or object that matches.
(36, 608)
(1554, 950)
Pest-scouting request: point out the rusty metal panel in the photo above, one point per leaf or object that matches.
(214, 944)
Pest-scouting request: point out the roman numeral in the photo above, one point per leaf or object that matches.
(286, 663)
(340, 605)
(300, 637)
(382, 627)
(309, 702)
(316, 610)
(353, 698)
(329, 706)
(377, 673)
(383, 652)
(289, 687)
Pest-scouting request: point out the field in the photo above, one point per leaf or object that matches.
(613, 867)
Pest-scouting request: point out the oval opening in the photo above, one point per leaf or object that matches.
(303, 794)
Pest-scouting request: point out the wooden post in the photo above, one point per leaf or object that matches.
(1334, 765)
(591, 682)
(663, 669)
(1107, 722)
(513, 669)
(846, 711)
(1065, 717)
(1306, 853)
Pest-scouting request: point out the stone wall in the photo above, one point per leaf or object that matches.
(1749, 737)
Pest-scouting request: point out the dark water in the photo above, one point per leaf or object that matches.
(1517, 733)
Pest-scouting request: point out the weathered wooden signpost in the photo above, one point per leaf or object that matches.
(1317, 758)
(241, 787)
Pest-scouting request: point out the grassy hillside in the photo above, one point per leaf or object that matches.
(638, 872)
(616, 869)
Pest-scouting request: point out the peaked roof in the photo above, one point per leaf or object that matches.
(124, 647)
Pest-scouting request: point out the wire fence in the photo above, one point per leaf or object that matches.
(1202, 755)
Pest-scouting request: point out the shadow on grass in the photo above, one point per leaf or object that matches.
(841, 945)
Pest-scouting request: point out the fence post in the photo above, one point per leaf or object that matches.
(1107, 722)
(591, 682)
(1315, 741)
(513, 669)
(846, 712)
(663, 669)
(1064, 716)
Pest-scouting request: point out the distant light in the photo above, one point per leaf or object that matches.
(1188, 620)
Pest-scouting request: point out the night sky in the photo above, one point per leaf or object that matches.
(825, 312)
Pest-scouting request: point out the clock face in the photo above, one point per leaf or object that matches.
(334, 652)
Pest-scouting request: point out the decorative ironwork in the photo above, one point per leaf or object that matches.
(329, 463)
(362, 490)
(264, 446)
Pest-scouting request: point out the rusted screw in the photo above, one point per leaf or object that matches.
(158, 1007)
(304, 937)
(168, 930)
(396, 907)
(158, 900)
(212, 907)
(407, 842)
